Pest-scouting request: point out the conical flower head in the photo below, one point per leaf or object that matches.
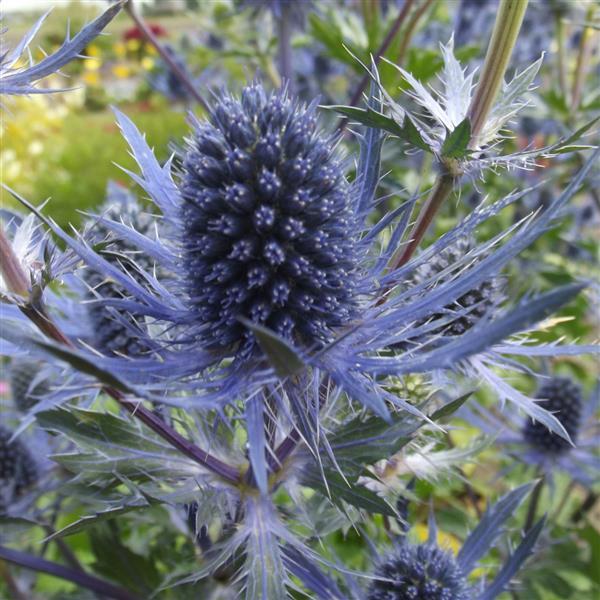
(562, 397)
(419, 572)
(18, 469)
(116, 331)
(266, 226)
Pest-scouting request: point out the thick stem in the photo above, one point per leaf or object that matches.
(35, 563)
(504, 36)
(12, 271)
(166, 57)
(440, 191)
(284, 41)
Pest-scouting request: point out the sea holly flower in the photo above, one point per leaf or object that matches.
(527, 441)
(427, 572)
(272, 277)
(16, 79)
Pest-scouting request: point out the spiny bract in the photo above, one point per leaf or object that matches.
(563, 398)
(419, 572)
(266, 224)
(22, 375)
(114, 330)
(18, 469)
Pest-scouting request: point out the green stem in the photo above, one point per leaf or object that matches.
(440, 191)
(389, 38)
(504, 36)
(410, 29)
(506, 29)
(533, 504)
(560, 38)
(583, 57)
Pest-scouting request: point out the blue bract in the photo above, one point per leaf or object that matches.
(266, 224)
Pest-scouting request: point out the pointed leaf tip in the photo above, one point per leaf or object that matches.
(282, 356)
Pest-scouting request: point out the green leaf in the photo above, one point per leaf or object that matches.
(283, 357)
(457, 141)
(372, 118)
(86, 522)
(82, 363)
(450, 408)
(115, 560)
(563, 145)
(95, 430)
(337, 489)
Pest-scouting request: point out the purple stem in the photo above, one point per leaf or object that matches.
(166, 57)
(90, 582)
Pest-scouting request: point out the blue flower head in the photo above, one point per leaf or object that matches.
(266, 225)
(427, 572)
(471, 307)
(117, 331)
(18, 468)
(563, 398)
(419, 572)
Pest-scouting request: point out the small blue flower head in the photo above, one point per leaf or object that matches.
(266, 226)
(117, 331)
(419, 572)
(471, 307)
(427, 572)
(562, 397)
(18, 468)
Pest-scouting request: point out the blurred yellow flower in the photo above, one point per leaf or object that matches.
(92, 64)
(93, 50)
(446, 541)
(147, 63)
(121, 71)
(134, 45)
(119, 49)
(92, 78)
(151, 50)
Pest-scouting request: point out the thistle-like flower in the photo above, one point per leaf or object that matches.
(476, 304)
(18, 468)
(563, 398)
(266, 224)
(419, 572)
(531, 443)
(427, 572)
(117, 331)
